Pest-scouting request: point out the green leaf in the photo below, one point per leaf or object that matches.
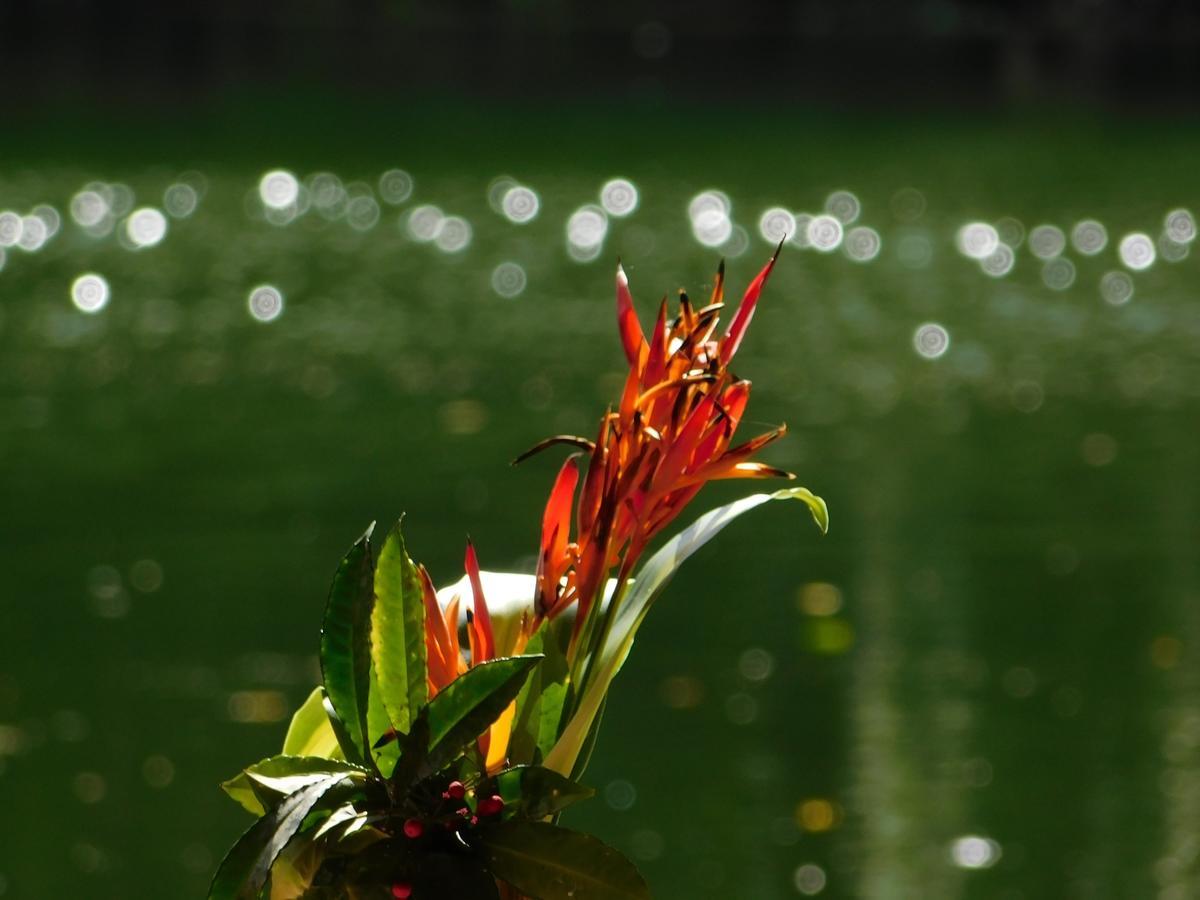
(414, 751)
(310, 733)
(339, 816)
(540, 702)
(534, 792)
(465, 708)
(380, 723)
(260, 785)
(346, 646)
(553, 863)
(247, 865)
(617, 640)
(398, 632)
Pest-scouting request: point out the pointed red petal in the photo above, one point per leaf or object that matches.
(656, 366)
(556, 530)
(741, 320)
(481, 621)
(632, 337)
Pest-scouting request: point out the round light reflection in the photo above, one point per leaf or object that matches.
(862, 244)
(146, 227)
(931, 340)
(265, 303)
(508, 279)
(587, 227)
(395, 186)
(278, 189)
(1137, 251)
(825, 233)
(776, 224)
(977, 240)
(520, 204)
(619, 197)
(90, 293)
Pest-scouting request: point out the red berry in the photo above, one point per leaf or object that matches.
(414, 828)
(491, 806)
(456, 791)
(401, 891)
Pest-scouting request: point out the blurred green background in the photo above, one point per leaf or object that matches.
(982, 683)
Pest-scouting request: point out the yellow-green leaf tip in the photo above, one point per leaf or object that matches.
(816, 506)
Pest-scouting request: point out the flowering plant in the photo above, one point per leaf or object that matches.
(420, 768)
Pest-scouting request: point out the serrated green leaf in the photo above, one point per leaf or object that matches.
(535, 792)
(310, 733)
(398, 633)
(260, 785)
(553, 863)
(346, 646)
(247, 866)
(647, 586)
(378, 723)
(465, 708)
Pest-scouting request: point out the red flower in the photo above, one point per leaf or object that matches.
(670, 434)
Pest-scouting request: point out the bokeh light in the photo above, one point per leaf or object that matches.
(974, 852)
(999, 262)
(278, 189)
(825, 233)
(146, 227)
(265, 303)
(1058, 274)
(90, 293)
(843, 206)
(862, 244)
(454, 235)
(520, 204)
(619, 197)
(395, 186)
(1180, 226)
(1137, 251)
(931, 340)
(978, 240)
(1047, 241)
(775, 224)
(1089, 237)
(508, 279)
(586, 230)
(425, 222)
(1116, 287)
(88, 208)
(180, 200)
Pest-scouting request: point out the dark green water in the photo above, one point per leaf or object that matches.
(982, 683)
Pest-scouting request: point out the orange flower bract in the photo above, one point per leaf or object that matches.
(670, 434)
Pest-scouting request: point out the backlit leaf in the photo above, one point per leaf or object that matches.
(465, 708)
(647, 586)
(278, 776)
(553, 863)
(310, 733)
(398, 632)
(346, 645)
(246, 867)
(534, 792)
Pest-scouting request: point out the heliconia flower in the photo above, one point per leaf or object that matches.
(670, 434)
